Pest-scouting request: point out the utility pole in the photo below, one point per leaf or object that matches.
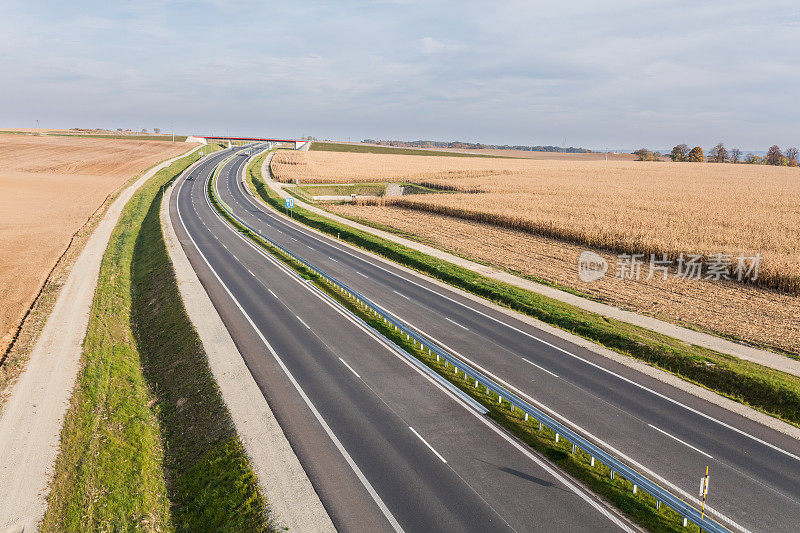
(173, 134)
(37, 123)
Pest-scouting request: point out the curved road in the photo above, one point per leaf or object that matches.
(384, 445)
(659, 429)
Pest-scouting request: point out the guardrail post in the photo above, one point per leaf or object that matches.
(658, 504)
(526, 417)
(499, 399)
(592, 463)
(635, 488)
(612, 474)
(556, 438)
(540, 425)
(476, 383)
(573, 449)
(685, 520)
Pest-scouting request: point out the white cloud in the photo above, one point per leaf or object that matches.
(429, 45)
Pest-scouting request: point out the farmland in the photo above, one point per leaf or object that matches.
(535, 217)
(617, 206)
(49, 187)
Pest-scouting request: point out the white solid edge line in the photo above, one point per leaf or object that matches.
(364, 481)
(681, 441)
(456, 323)
(579, 491)
(540, 367)
(333, 244)
(302, 322)
(428, 445)
(349, 367)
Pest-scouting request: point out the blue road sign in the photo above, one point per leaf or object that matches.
(290, 203)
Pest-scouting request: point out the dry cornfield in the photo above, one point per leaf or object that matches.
(617, 206)
(755, 315)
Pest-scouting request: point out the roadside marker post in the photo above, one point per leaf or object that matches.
(704, 492)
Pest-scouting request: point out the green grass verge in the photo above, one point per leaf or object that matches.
(369, 149)
(374, 189)
(147, 443)
(770, 391)
(640, 507)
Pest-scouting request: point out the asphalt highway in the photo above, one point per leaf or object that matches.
(655, 427)
(385, 446)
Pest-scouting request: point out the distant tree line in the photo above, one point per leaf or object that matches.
(458, 145)
(720, 154)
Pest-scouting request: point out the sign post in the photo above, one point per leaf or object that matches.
(289, 205)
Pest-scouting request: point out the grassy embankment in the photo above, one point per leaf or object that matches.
(771, 391)
(148, 443)
(370, 149)
(640, 507)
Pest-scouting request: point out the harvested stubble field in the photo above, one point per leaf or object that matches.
(544, 156)
(535, 217)
(49, 187)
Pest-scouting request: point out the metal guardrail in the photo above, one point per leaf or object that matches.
(639, 481)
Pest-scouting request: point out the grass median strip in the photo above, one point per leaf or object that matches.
(640, 507)
(148, 443)
(770, 391)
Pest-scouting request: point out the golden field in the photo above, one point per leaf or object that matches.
(616, 206)
(49, 188)
(759, 316)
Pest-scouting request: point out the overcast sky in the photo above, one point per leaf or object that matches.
(622, 73)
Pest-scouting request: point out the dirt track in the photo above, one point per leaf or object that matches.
(49, 187)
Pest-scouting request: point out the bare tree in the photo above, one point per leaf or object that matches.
(736, 155)
(718, 154)
(791, 156)
(644, 154)
(156, 130)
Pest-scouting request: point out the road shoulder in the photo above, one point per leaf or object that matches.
(292, 499)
